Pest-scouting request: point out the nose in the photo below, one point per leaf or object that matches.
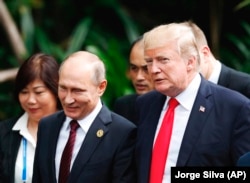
(154, 68)
(31, 98)
(140, 75)
(68, 98)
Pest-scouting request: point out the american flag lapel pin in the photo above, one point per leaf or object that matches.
(202, 109)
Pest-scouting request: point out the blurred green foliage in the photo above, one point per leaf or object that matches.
(60, 27)
(237, 51)
(86, 34)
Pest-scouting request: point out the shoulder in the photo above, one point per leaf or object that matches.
(221, 94)
(125, 104)
(126, 98)
(8, 123)
(107, 116)
(235, 74)
(57, 116)
(122, 119)
(150, 97)
(116, 119)
(244, 160)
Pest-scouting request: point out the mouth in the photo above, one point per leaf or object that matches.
(140, 86)
(33, 110)
(70, 108)
(158, 80)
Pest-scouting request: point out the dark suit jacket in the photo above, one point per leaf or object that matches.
(125, 106)
(244, 160)
(216, 137)
(9, 145)
(235, 80)
(106, 159)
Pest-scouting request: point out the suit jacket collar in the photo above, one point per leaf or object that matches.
(93, 138)
(196, 122)
(12, 139)
(155, 109)
(56, 123)
(225, 75)
(147, 130)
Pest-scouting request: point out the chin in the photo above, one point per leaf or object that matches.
(71, 114)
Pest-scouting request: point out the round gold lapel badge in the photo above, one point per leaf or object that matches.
(99, 133)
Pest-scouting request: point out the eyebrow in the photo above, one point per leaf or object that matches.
(138, 65)
(40, 86)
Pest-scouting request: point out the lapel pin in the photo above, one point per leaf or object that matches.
(99, 133)
(202, 109)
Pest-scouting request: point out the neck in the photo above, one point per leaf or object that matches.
(211, 67)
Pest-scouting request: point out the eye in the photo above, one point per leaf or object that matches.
(133, 68)
(24, 91)
(149, 61)
(61, 88)
(77, 91)
(163, 60)
(145, 69)
(39, 92)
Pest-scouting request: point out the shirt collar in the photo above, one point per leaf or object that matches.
(22, 126)
(216, 72)
(187, 97)
(86, 122)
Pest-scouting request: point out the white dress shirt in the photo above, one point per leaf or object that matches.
(216, 73)
(85, 124)
(182, 112)
(21, 126)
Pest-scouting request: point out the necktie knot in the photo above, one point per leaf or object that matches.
(173, 103)
(74, 125)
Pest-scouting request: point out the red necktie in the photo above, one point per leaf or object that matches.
(160, 151)
(67, 153)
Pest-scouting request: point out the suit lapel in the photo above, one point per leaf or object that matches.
(94, 137)
(15, 140)
(146, 132)
(152, 118)
(196, 122)
(54, 134)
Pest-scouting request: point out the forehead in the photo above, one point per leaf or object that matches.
(163, 34)
(75, 70)
(36, 83)
(137, 54)
(75, 73)
(76, 63)
(168, 48)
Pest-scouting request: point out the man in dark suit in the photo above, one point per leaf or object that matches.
(211, 125)
(104, 142)
(141, 81)
(215, 71)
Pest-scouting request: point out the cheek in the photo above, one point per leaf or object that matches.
(49, 107)
(47, 99)
(132, 75)
(175, 75)
(148, 77)
(22, 100)
(61, 94)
